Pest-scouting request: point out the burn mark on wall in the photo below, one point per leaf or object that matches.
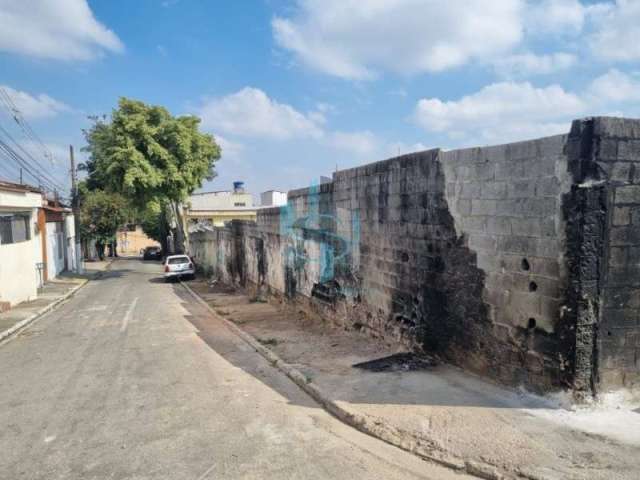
(584, 209)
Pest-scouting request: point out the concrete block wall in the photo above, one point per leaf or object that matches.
(616, 145)
(514, 261)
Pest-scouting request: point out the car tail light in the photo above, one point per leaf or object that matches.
(166, 268)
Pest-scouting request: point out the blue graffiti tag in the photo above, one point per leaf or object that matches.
(334, 249)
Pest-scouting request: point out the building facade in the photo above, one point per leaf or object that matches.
(20, 244)
(37, 242)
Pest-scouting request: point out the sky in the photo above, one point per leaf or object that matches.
(292, 90)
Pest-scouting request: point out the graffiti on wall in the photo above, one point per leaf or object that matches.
(323, 239)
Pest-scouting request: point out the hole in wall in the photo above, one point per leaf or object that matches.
(525, 264)
(609, 333)
(533, 286)
(531, 324)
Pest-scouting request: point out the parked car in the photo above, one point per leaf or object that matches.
(177, 266)
(152, 253)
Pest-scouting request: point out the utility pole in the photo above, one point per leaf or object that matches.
(75, 205)
(21, 176)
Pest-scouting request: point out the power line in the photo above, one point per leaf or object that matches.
(40, 173)
(37, 166)
(21, 163)
(17, 116)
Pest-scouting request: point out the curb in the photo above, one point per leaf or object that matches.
(391, 435)
(27, 321)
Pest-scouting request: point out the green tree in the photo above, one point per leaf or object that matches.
(101, 215)
(150, 157)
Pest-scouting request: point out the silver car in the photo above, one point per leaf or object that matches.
(176, 266)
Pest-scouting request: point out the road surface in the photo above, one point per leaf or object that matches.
(132, 379)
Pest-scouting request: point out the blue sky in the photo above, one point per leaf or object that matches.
(292, 89)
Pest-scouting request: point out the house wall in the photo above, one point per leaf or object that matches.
(55, 249)
(514, 261)
(131, 243)
(18, 274)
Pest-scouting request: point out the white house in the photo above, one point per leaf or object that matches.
(37, 242)
(273, 198)
(21, 249)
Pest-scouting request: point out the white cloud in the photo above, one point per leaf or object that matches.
(250, 112)
(614, 87)
(531, 64)
(229, 147)
(54, 29)
(502, 111)
(555, 16)
(35, 107)
(617, 31)
(358, 143)
(509, 111)
(357, 38)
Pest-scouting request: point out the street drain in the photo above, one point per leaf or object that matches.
(399, 362)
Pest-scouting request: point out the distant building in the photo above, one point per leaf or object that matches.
(216, 208)
(273, 198)
(132, 240)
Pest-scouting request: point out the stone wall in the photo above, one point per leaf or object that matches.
(496, 259)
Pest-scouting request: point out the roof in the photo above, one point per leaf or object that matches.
(17, 187)
(52, 208)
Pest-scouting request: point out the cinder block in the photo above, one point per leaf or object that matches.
(470, 190)
(528, 227)
(517, 244)
(547, 247)
(628, 194)
(521, 189)
(547, 187)
(618, 256)
(494, 190)
(629, 150)
(483, 207)
(627, 235)
(498, 225)
(608, 150)
(474, 224)
(482, 242)
(621, 172)
(509, 170)
(621, 216)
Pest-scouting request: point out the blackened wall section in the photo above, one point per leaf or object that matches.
(519, 261)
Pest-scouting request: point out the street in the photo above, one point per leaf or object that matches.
(133, 379)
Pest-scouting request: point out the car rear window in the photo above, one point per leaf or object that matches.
(174, 261)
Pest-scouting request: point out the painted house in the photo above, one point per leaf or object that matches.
(37, 242)
(216, 208)
(21, 244)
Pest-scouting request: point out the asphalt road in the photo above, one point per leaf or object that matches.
(133, 379)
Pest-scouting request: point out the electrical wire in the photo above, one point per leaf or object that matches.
(32, 167)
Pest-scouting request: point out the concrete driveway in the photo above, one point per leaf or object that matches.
(132, 379)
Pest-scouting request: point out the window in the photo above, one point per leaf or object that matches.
(178, 260)
(14, 228)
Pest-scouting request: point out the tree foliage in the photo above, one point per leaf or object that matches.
(101, 214)
(152, 159)
(148, 155)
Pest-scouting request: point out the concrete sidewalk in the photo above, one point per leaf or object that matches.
(440, 412)
(50, 295)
